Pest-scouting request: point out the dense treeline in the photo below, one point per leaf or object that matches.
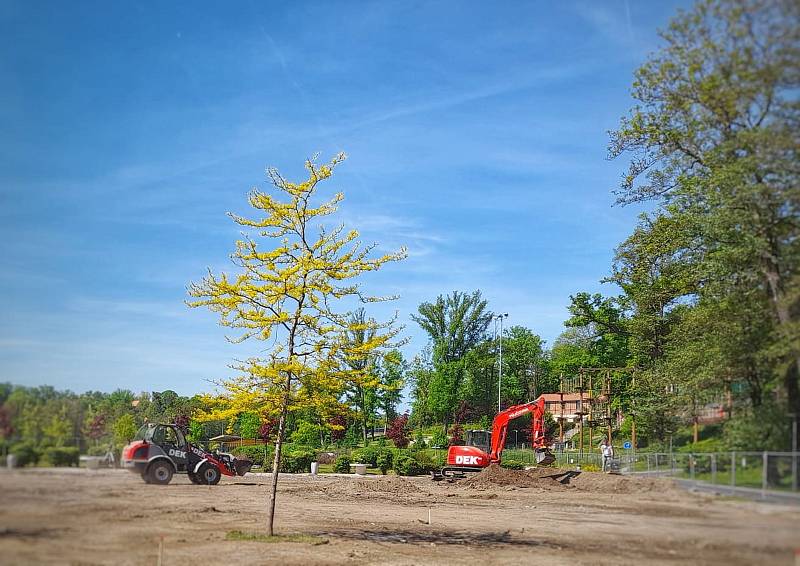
(37, 420)
(709, 308)
(710, 302)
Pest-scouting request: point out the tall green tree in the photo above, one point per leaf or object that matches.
(362, 391)
(713, 141)
(455, 324)
(391, 373)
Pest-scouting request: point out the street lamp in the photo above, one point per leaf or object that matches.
(500, 317)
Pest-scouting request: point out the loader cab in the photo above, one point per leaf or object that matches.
(170, 439)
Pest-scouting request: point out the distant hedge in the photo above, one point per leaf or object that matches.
(61, 456)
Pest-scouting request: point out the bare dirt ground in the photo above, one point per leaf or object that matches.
(500, 517)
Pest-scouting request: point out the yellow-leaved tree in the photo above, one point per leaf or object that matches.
(295, 288)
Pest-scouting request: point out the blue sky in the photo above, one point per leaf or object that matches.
(476, 135)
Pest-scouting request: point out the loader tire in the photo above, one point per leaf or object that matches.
(159, 472)
(194, 479)
(208, 474)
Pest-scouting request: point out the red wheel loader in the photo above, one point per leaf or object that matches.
(158, 451)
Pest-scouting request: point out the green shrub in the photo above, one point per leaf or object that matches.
(590, 468)
(297, 461)
(384, 461)
(429, 461)
(708, 445)
(368, 455)
(255, 454)
(26, 453)
(419, 440)
(307, 434)
(439, 440)
(342, 465)
(512, 465)
(61, 456)
(407, 465)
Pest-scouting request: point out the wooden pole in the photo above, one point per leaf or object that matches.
(608, 403)
(633, 412)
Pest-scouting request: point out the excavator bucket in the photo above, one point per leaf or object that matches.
(544, 457)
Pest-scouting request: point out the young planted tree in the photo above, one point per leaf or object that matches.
(293, 291)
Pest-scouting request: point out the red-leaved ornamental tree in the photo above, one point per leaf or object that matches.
(6, 428)
(456, 435)
(398, 431)
(338, 427)
(266, 429)
(97, 428)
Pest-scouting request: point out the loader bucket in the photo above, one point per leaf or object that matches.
(544, 457)
(241, 467)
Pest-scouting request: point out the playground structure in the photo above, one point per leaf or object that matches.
(587, 400)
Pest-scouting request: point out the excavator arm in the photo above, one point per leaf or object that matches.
(500, 431)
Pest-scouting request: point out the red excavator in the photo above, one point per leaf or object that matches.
(462, 460)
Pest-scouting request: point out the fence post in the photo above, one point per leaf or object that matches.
(713, 469)
(733, 469)
(691, 466)
(794, 471)
(764, 462)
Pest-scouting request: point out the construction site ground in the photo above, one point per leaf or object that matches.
(77, 516)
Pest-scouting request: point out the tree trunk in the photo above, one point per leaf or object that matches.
(363, 398)
(784, 321)
(276, 461)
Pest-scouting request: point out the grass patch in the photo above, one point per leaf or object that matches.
(258, 537)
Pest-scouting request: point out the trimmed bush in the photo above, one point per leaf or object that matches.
(298, 461)
(384, 461)
(26, 454)
(368, 455)
(439, 440)
(61, 456)
(428, 461)
(255, 454)
(342, 465)
(407, 465)
(512, 465)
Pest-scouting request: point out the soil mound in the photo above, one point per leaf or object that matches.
(559, 479)
(611, 483)
(495, 475)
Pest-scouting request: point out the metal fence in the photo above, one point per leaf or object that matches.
(756, 470)
(766, 471)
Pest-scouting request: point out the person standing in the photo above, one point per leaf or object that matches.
(608, 454)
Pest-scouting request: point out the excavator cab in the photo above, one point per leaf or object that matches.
(480, 439)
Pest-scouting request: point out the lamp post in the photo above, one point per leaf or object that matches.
(500, 317)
